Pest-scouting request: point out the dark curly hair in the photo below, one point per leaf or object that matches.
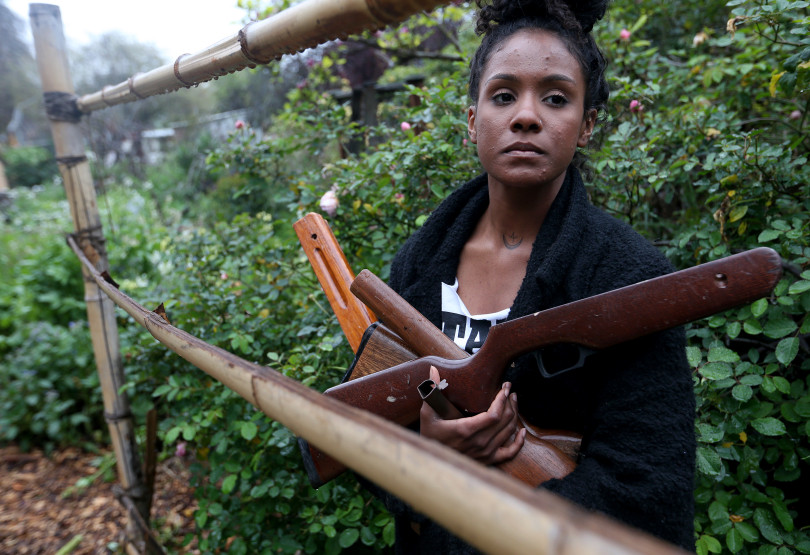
(571, 20)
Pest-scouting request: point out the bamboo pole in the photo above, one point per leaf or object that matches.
(57, 86)
(297, 28)
(488, 508)
(3, 180)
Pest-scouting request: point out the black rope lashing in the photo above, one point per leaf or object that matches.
(71, 161)
(62, 106)
(111, 418)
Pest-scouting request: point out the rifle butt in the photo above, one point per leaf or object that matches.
(537, 462)
(320, 467)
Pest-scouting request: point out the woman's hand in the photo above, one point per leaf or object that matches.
(490, 437)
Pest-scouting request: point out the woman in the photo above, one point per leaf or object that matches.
(522, 237)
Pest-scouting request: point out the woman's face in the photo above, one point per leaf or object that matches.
(529, 118)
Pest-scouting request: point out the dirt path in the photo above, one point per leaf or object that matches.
(37, 517)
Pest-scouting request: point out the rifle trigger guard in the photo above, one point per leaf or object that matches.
(582, 354)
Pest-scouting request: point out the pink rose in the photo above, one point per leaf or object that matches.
(239, 124)
(180, 451)
(329, 203)
(405, 125)
(636, 106)
(624, 35)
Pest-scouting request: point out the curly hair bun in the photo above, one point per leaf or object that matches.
(579, 15)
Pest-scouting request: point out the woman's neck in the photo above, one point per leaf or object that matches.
(515, 215)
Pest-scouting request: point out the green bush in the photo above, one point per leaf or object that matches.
(239, 286)
(27, 166)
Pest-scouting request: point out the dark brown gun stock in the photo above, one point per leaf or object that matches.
(595, 323)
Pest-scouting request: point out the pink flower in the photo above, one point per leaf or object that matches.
(180, 451)
(795, 114)
(464, 142)
(223, 276)
(301, 84)
(636, 106)
(399, 196)
(624, 35)
(239, 124)
(405, 125)
(329, 203)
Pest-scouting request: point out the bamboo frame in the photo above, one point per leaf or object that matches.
(49, 43)
(489, 509)
(302, 26)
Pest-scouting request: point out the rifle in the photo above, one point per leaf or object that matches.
(589, 324)
(546, 453)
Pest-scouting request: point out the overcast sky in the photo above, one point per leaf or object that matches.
(174, 26)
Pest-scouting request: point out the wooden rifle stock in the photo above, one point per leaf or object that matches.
(595, 323)
(334, 274)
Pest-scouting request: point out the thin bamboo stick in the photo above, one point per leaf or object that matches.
(49, 43)
(302, 26)
(489, 509)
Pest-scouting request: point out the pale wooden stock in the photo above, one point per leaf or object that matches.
(334, 274)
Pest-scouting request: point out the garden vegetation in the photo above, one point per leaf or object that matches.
(704, 151)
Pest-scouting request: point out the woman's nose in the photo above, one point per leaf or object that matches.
(527, 116)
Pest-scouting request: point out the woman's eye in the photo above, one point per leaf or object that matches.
(502, 98)
(557, 100)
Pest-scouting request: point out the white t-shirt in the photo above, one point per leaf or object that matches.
(467, 330)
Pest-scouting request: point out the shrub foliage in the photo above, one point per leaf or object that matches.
(704, 151)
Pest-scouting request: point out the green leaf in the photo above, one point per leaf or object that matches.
(769, 426)
(172, 434)
(718, 511)
(780, 327)
(734, 540)
(782, 514)
(708, 461)
(767, 527)
(787, 349)
(348, 537)
(694, 356)
(799, 287)
(249, 430)
(768, 235)
(722, 354)
(759, 307)
(742, 392)
(228, 484)
(716, 371)
(748, 532)
(752, 327)
(709, 434)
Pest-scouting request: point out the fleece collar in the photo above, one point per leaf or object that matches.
(444, 234)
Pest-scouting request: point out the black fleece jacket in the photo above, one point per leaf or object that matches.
(634, 403)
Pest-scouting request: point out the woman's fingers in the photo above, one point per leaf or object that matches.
(489, 437)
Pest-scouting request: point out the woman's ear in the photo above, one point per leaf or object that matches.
(471, 124)
(585, 132)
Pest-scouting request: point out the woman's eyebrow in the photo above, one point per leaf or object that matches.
(554, 77)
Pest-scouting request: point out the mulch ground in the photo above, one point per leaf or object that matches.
(36, 515)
